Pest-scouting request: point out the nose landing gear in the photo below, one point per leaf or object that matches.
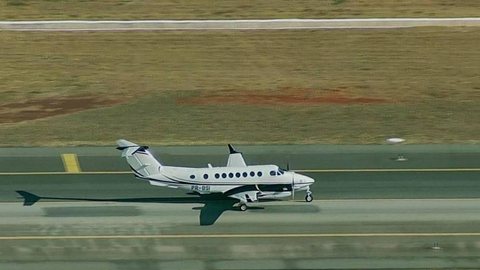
(309, 197)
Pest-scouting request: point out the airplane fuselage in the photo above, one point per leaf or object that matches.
(268, 180)
(236, 180)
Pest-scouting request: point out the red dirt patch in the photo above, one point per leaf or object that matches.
(42, 108)
(284, 96)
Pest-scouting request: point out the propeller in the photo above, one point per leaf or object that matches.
(293, 185)
(293, 180)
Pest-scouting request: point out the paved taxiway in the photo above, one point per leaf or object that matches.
(403, 217)
(267, 24)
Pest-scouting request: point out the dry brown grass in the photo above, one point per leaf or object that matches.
(227, 9)
(428, 76)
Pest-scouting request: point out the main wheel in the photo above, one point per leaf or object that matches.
(243, 207)
(309, 198)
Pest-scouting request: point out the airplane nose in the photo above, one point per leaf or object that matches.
(309, 180)
(304, 179)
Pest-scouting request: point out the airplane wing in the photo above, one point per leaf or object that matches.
(246, 196)
(235, 159)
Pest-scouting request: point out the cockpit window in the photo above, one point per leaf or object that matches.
(280, 171)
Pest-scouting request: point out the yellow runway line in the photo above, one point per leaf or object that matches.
(299, 171)
(193, 236)
(70, 162)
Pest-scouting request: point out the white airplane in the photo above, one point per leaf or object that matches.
(236, 180)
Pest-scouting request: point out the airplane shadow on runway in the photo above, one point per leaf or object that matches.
(213, 205)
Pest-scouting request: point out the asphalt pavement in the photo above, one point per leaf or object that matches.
(375, 207)
(260, 24)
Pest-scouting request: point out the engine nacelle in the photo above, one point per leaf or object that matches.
(274, 195)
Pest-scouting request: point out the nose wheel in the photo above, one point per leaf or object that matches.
(308, 197)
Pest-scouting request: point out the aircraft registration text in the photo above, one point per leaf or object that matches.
(200, 188)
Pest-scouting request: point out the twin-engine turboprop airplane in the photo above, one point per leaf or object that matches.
(236, 180)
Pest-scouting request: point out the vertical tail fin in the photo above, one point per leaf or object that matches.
(141, 161)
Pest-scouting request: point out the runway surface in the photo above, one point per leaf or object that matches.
(104, 25)
(372, 210)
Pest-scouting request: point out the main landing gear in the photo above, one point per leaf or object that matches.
(308, 197)
(243, 207)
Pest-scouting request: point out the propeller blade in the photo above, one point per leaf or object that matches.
(293, 186)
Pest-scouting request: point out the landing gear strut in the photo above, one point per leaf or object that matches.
(309, 197)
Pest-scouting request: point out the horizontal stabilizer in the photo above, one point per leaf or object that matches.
(129, 148)
(141, 161)
(122, 144)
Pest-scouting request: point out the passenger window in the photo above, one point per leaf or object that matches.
(192, 176)
(259, 174)
(224, 175)
(252, 174)
(205, 176)
(245, 174)
(230, 175)
(238, 174)
(217, 175)
(273, 173)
